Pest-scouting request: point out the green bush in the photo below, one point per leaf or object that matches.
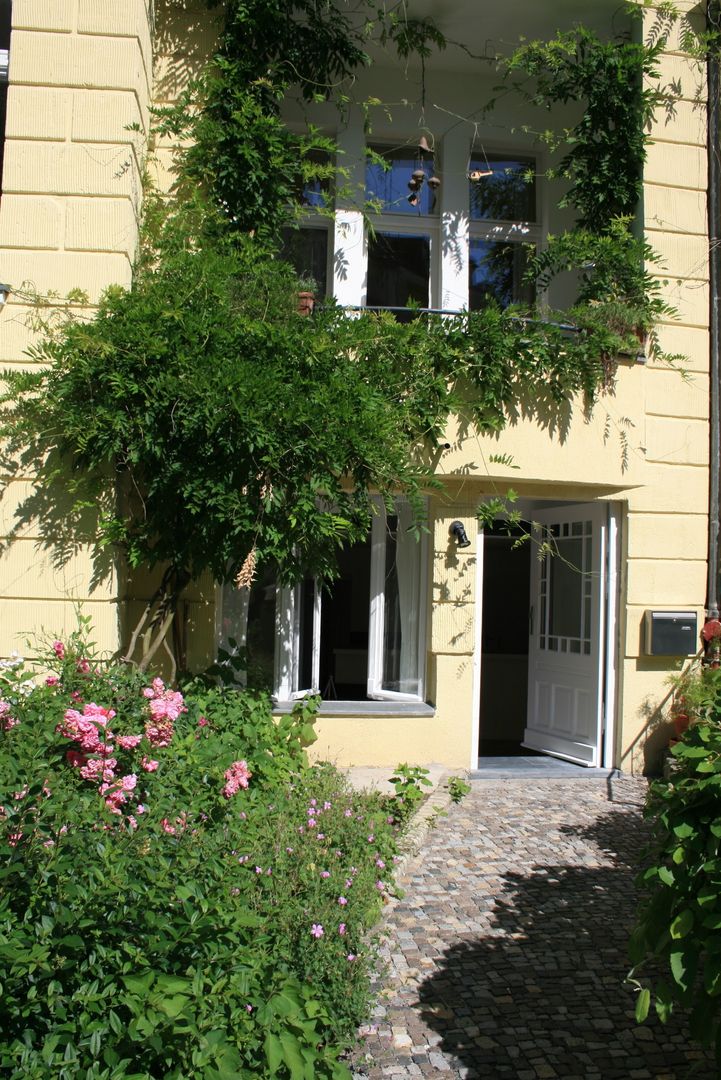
(190, 904)
(678, 934)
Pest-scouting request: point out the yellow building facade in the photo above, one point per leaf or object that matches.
(507, 649)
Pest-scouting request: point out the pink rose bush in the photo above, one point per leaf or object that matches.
(176, 815)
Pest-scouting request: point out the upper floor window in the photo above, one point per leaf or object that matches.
(503, 216)
(307, 245)
(401, 185)
(397, 180)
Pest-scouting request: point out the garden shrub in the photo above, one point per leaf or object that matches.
(676, 946)
(181, 895)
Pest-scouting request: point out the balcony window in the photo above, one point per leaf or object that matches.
(503, 215)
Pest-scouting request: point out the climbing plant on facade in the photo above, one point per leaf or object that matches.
(199, 424)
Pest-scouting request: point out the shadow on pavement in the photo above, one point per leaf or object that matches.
(543, 994)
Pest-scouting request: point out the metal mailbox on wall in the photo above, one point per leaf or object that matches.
(670, 633)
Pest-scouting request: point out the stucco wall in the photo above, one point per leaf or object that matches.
(77, 123)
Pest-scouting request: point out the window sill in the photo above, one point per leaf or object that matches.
(363, 708)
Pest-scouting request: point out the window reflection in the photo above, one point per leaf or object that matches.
(496, 274)
(389, 185)
(398, 270)
(508, 194)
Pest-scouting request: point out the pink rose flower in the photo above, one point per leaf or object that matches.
(59, 650)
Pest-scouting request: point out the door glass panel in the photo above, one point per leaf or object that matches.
(398, 270)
(566, 589)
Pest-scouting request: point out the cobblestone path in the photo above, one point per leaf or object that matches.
(507, 955)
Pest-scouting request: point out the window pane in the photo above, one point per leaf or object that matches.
(508, 194)
(307, 250)
(344, 627)
(495, 273)
(398, 270)
(314, 193)
(402, 591)
(389, 186)
(566, 589)
(250, 621)
(305, 630)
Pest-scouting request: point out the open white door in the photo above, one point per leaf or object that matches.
(567, 633)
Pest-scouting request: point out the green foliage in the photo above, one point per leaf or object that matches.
(198, 421)
(408, 782)
(617, 83)
(193, 929)
(677, 934)
(458, 788)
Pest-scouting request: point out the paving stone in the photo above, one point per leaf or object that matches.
(506, 957)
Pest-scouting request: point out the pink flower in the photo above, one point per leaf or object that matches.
(129, 742)
(311, 823)
(348, 813)
(350, 957)
(148, 693)
(259, 869)
(326, 805)
(289, 850)
(202, 722)
(82, 666)
(341, 929)
(128, 782)
(140, 809)
(380, 864)
(132, 821)
(160, 733)
(59, 650)
(7, 722)
(324, 874)
(93, 768)
(342, 901)
(114, 800)
(52, 680)
(149, 764)
(237, 776)
(249, 1008)
(167, 827)
(380, 885)
(316, 930)
(75, 759)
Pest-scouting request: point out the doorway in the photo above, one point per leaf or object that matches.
(504, 641)
(547, 608)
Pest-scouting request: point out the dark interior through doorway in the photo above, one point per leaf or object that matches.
(504, 642)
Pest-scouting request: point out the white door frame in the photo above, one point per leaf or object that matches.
(609, 645)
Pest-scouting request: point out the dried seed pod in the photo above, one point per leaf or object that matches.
(419, 176)
(434, 182)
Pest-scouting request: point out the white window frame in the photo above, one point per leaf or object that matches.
(387, 221)
(288, 625)
(404, 225)
(376, 622)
